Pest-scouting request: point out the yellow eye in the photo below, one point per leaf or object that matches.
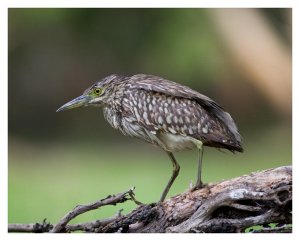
(97, 91)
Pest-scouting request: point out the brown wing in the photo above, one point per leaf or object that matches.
(167, 87)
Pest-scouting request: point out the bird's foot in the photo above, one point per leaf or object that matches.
(199, 186)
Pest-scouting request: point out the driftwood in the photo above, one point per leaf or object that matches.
(234, 205)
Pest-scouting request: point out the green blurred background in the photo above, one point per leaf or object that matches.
(239, 57)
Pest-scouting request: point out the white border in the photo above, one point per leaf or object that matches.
(4, 5)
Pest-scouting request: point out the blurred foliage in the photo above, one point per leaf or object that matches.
(58, 160)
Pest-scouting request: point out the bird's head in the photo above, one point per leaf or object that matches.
(99, 94)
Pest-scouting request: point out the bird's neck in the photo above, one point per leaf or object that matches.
(112, 116)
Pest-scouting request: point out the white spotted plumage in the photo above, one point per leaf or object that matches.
(166, 108)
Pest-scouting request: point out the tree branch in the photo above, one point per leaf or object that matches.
(234, 205)
(79, 209)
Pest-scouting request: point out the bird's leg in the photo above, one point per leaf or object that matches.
(199, 183)
(175, 172)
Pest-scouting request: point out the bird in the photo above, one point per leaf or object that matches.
(164, 113)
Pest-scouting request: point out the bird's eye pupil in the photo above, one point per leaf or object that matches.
(97, 91)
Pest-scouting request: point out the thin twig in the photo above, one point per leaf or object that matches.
(89, 226)
(287, 228)
(30, 228)
(93, 225)
(79, 209)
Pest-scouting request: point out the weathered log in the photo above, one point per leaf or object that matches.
(233, 205)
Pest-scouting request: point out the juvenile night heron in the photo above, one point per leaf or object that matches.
(163, 113)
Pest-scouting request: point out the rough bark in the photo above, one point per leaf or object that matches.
(233, 205)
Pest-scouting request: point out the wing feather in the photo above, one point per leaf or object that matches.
(167, 87)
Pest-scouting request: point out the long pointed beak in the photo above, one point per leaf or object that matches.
(77, 102)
